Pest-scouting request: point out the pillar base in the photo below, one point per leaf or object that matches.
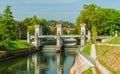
(37, 47)
(58, 48)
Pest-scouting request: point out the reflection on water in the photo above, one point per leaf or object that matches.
(39, 63)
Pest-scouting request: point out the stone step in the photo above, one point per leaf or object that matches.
(84, 68)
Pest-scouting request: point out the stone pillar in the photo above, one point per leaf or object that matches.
(59, 67)
(36, 40)
(59, 39)
(28, 37)
(59, 29)
(28, 64)
(38, 29)
(35, 62)
(83, 34)
(38, 32)
(89, 36)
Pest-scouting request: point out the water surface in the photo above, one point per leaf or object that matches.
(39, 63)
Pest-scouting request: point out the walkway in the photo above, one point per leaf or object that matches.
(109, 44)
(102, 69)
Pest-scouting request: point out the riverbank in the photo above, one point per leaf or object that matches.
(87, 48)
(108, 54)
(19, 48)
(6, 55)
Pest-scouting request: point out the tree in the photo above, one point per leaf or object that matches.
(86, 16)
(31, 22)
(0, 29)
(94, 33)
(106, 20)
(7, 27)
(21, 30)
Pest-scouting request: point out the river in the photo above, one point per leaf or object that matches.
(42, 62)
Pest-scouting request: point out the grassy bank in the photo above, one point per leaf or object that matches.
(87, 48)
(89, 71)
(109, 56)
(115, 40)
(17, 45)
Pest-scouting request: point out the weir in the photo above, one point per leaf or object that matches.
(59, 36)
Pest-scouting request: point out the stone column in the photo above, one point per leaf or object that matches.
(38, 32)
(83, 34)
(89, 36)
(59, 67)
(36, 65)
(38, 29)
(28, 64)
(28, 37)
(59, 39)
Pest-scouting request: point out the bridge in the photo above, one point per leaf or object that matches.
(59, 36)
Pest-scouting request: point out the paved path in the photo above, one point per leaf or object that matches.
(93, 52)
(109, 44)
(102, 69)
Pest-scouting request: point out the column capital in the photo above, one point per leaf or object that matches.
(82, 24)
(37, 26)
(59, 25)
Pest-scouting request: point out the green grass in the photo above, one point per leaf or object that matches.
(89, 71)
(109, 56)
(115, 40)
(19, 45)
(87, 48)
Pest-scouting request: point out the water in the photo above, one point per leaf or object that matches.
(39, 63)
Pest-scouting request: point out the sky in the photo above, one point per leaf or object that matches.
(67, 10)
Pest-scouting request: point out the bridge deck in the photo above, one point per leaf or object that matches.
(54, 36)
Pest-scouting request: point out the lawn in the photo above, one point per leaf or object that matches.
(87, 48)
(109, 56)
(115, 40)
(16, 45)
(89, 71)
(19, 44)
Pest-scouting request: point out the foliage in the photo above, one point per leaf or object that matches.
(94, 33)
(115, 40)
(108, 56)
(31, 29)
(64, 23)
(106, 20)
(21, 30)
(88, 71)
(7, 28)
(87, 48)
(31, 22)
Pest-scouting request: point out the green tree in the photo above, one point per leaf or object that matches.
(86, 15)
(27, 22)
(7, 27)
(21, 30)
(94, 33)
(0, 29)
(31, 22)
(106, 20)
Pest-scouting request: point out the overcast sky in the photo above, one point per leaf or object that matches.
(67, 10)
